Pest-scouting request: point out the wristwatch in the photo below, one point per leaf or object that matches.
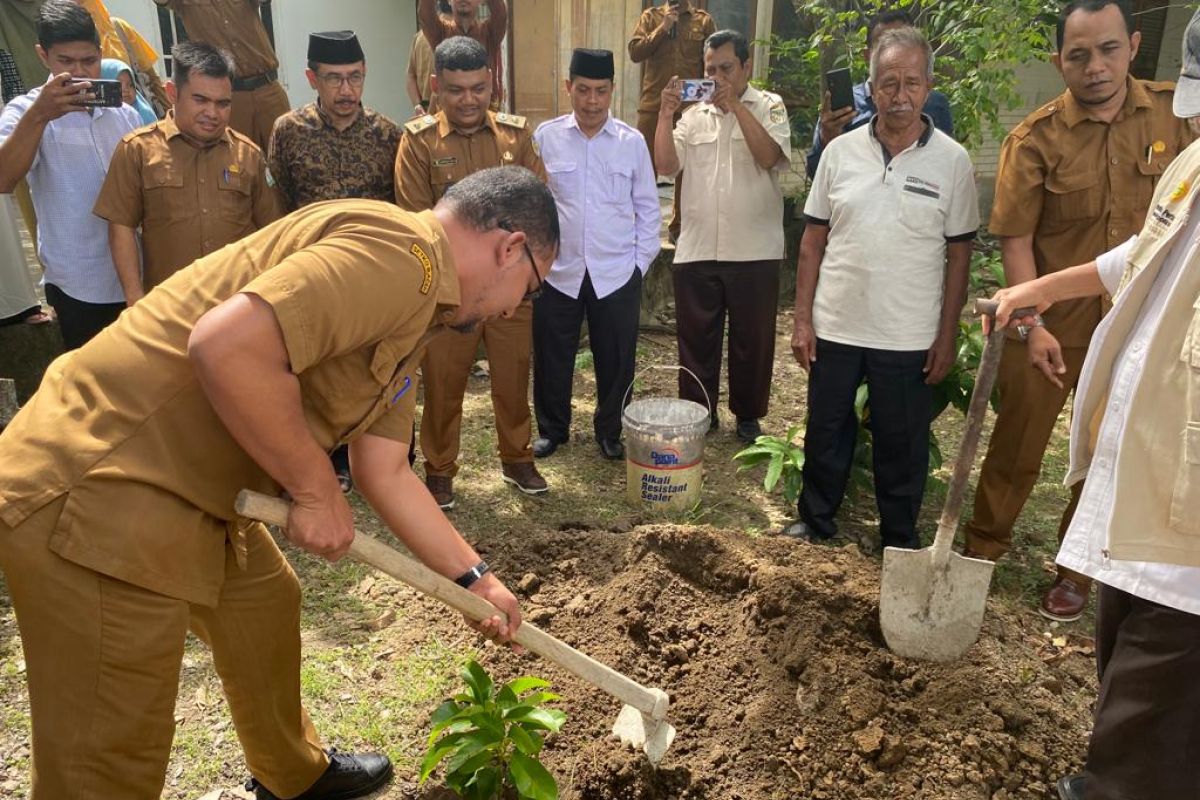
(1023, 330)
(473, 574)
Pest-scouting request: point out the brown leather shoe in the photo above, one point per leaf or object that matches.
(442, 489)
(525, 476)
(1064, 601)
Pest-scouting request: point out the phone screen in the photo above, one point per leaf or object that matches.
(697, 90)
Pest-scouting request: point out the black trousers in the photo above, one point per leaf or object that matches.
(900, 409)
(746, 291)
(1146, 739)
(612, 336)
(80, 321)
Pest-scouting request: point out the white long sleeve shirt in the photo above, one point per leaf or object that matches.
(607, 201)
(1084, 549)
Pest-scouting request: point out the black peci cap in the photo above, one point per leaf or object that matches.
(594, 64)
(334, 47)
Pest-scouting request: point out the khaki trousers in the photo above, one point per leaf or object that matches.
(1029, 409)
(647, 124)
(445, 369)
(103, 658)
(254, 112)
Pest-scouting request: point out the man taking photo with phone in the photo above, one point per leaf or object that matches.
(38, 133)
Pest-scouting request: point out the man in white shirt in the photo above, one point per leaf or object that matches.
(603, 182)
(881, 281)
(731, 238)
(64, 147)
(1135, 435)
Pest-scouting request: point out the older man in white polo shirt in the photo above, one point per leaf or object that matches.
(731, 238)
(64, 148)
(881, 282)
(603, 183)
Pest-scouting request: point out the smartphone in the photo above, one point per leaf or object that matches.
(102, 94)
(841, 90)
(697, 90)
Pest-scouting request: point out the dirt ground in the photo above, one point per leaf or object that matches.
(770, 649)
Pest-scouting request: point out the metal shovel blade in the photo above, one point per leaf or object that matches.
(931, 612)
(642, 732)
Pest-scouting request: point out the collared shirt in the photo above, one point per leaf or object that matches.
(312, 160)
(189, 201)
(490, 33)
(890, 217)
(608, 209)
(1085, 547)
(937, 108)
(64, 179)
(434, 156)
(123, 427)
(732, 208)
(234, 25)
(1080, 187)
(664, 55)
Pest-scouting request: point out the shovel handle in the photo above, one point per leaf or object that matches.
(374, 553)
(988, 308)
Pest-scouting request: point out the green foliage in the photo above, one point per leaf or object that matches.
(488, 738)
(977, 47)
(784, 459)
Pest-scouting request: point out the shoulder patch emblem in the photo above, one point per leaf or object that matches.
(418, 125)
(778, 113)
(426, 267)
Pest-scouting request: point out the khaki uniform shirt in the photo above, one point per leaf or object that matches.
(434, 156)
(665, 56)
(489, 33)
(189, 201)
(311, 160)
(233, 25)
(420, 66)
(123, 427)
(1081, 187)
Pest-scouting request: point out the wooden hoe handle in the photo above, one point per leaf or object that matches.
(274, 511)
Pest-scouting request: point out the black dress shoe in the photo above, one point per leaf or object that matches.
(612, 449)
(1071, 787)
(348, 776)
(543, 447)
(748, 430)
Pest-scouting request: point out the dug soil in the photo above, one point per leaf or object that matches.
(780, 683)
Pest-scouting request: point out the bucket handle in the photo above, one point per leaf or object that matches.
(643, 370)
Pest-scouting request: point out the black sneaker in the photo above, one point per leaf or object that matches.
(349, 775)
(748, 430)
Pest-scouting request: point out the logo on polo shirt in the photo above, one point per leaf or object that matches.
(922, 187)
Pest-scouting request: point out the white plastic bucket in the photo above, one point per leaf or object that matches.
(664, 449)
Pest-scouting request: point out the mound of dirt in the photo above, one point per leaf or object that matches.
(780, 684)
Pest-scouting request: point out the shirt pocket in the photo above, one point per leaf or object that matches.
(1185, 497)
(162, 189)
(1150, 171)
(921, 214)
(233, 197)
(703, 147)
(1073, 195)
(618, 183)
(563, 177)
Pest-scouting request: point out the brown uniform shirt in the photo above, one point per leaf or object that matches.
(665, 56)
(230, 24)
(1082, 187)
(434, 156)
(311, 160)
(189, 201)
(123, 427)
(489, 33)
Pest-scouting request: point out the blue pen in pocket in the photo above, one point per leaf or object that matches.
(403, 389)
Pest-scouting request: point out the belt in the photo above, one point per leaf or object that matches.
(255, 81)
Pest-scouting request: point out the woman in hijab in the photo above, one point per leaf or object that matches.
(115, 70)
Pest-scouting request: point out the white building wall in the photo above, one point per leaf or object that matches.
(384, 27)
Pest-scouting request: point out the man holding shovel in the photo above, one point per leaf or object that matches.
(118, 479)
(1135, 435)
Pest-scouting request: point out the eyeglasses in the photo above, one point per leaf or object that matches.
(536, 291)
(334, 80)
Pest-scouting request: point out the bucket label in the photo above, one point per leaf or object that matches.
(668, 485)
(668, 457)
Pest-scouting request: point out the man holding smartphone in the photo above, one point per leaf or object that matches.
(858, 109)
(38, 136)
